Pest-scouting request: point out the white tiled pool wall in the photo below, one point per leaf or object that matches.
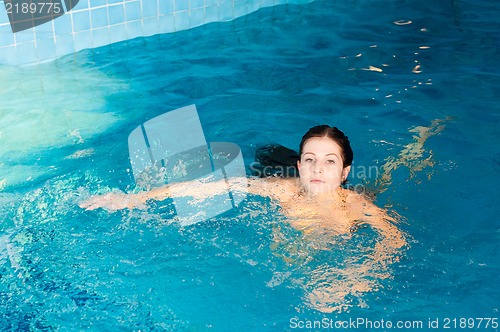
(95, 23)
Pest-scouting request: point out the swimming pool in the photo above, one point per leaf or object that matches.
(380, 72)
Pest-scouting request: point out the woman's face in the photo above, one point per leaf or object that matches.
(321, 167)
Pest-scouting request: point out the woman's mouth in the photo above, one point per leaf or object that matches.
(317, 181)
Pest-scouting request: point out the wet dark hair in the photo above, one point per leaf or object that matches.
(333, 133)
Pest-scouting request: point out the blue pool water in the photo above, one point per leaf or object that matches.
(379, 70)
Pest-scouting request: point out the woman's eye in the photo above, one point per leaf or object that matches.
(309, 160)
(330, 161)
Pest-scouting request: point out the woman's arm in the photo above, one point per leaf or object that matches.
(198, 189)
(392, 238)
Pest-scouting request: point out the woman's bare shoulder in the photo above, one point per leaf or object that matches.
(356, 198)
(362, 204)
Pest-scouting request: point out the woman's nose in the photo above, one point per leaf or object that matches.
(318, 168)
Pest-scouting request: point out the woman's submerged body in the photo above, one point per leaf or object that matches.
(316, 204)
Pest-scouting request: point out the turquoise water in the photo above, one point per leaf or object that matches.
(266, 77)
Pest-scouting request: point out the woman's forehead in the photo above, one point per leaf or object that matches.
(322, 145)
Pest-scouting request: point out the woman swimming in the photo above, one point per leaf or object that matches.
(314, 203)
(322, 210)
(317, 194)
